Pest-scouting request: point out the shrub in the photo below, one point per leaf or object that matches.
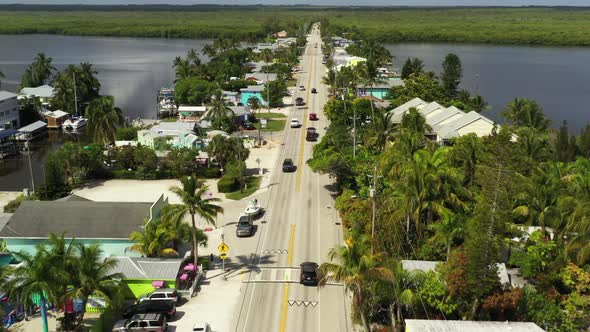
(228, 184)
(208, 172)
(126, 133)
(14, 204)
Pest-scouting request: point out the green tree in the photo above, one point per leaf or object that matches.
(92, 275)
(370, 76)
(584, 143)
(411, 67)
(415, 122)
(179, 230)
(55, 185)
(466, 153)
(275, 91)
(87, 87)
(356, 268)
(29, 111)
(218, 107)
(38, 72)
(1, 76)
(527, 113)
(103, 119)
(181, 161)
(381, 130)
(421, 86)
(330, 80)
(194, 202)
(451, 74)
(193, 91)
(434, 293)
(449, 228)
(477, 104)
(532, 145)
(153, 240)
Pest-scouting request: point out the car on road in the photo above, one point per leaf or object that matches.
(162, 294)
(142, 323)
(313, 117)
(301, 88)
(324, 61)
(166, 308)
(202, 327)
(311, 134)
(299, 101)
(245, 226)
(309, 274)
(313, 90)
(288, 165)
(295, 123)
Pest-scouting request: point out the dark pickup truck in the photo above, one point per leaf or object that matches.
(311, 134)
(167, 308)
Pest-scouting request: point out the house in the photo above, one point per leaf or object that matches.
(379, 90)
(261, 78)
(43, 93)
(106, 223)
(423, 325)
(54, 119)
(265, 46)
(163, 135)
(446, 122)
(427, 266)
(241, 114)
(340, 42)
(231, 97)
(140, 274)
(379, 103)
(187, 140)
(281, 34)
(251, 91)
(191, 113)
(285, 42)
(9, 115)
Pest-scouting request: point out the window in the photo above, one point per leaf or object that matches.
(1, 113)
(143, 324)
(133, 324)
(158, 296)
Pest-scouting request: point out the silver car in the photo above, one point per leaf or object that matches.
(150, 322)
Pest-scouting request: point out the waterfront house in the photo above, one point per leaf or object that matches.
(261, 78)
(252, 91)
(379, 90)
(433, 325)
(32, 131)
(54, 119)
(106, 223)
(9, 115)
(164, 135)
(142, 275)
(44, 94)
(446, 122)
(191, 113)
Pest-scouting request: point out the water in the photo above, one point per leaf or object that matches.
(557, 78)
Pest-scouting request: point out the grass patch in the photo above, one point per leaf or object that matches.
(252, 184)
(274, 125)
(292, 82)
(266, 115)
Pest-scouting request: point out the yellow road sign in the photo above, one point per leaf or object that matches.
(223, 248)
(223, 256)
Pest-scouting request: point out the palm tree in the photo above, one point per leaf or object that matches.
(448, 228)
(466, 153)
(192, 56)
(194, 203)
(103, 119)
(87, 81)
(399, 284)
(527, 113)
(183, 70)
(93, 277)
(477, 103)
(534, 146)
(370, 76)
(218, 108)
(330, 80)
(153, 240)
(43, 67)
(381, 130)
(356, 268)
(415, 122)
(37, 276)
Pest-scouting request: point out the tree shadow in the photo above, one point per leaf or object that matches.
(233, 265)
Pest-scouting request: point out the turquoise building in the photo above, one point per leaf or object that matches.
(380, 90)
(252, 91)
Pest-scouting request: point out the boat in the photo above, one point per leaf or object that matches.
(74, 123)
(165, 104)
(253, 209)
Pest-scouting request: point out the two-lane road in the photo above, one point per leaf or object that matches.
(300, 226)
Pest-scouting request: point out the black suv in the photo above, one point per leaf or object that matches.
(288, 165)
(309, 274)
(314, 90)
(166, 308)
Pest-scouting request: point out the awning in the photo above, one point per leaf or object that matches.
(7, 133)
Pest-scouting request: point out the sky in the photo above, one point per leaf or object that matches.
(320, 2)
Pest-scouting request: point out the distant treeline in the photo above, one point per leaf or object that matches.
(556, 26)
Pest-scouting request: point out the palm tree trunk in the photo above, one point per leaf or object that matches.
(474, 308)
(44, 314)
(365, 322)
(392, 312)
(448, 250)
(195, 244)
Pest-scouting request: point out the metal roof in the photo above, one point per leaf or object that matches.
(253, 88)
(80, 219)
(7, 95)
(4, 133)
(423, 325)
(43, 91)
(147, 268)
(32, 127)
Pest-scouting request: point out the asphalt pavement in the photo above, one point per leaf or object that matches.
(300, 224)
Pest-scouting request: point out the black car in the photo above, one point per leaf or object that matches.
(309, 274)
(288, 165)
(245, 226)
(167, 308)
(314, 90)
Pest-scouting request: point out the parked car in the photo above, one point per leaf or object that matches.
(166, 308)
(324, 61)
(311, 134)
(301, 88)
(245, 227)
(313, 90)
(295, 123)
(309, 274)
(202, 327)
(142, 323)
(313, 117)
(163, 294)
(288, 165)
(299, 101)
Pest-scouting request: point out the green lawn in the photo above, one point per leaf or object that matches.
(276, 121)
(252, 184)
(266, 115)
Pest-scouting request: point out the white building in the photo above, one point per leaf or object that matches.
(9, 117)
(446, 122)
(423, 325)
(427, 266)
(44, 93)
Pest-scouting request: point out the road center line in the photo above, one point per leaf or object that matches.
(284, 303)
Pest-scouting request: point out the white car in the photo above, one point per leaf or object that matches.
(202, 327)
(301, 88)
(295, 123)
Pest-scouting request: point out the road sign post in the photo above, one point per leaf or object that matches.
(223, 249)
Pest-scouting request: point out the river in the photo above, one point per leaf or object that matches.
(557, 78)
(133, 69)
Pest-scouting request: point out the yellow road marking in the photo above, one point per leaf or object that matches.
(284, 304)
(304, 126)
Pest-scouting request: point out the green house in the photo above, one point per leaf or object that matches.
(142, 275)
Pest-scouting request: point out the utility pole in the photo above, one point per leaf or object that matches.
(75, 94)
(353, 123)
(28, 144)
(373, 195)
